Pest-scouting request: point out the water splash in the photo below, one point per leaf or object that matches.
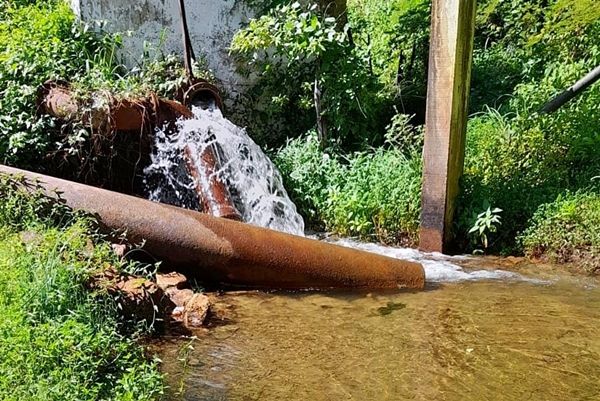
(258, 193)
(254, 182)
(438, 268)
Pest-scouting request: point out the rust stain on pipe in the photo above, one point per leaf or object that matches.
(211, 190)
(56, 98)
(230, 252)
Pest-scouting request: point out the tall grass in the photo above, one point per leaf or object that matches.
(58, 341)
(373, 194)
(566, 230)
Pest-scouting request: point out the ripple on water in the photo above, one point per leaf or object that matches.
(484, 340)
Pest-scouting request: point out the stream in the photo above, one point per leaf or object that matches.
(483, 329)
(534, 335)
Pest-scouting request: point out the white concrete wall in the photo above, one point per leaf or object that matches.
(211, 23)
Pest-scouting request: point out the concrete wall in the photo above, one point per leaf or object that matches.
(212, 24)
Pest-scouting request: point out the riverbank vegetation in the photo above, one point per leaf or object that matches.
(349, 90)
(59, 340)
(526, 166)
(340, 101)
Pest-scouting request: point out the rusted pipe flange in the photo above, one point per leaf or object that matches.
(201, 92)
(54, 97)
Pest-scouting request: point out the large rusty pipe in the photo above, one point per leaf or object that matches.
(230, 252)
(57, 99)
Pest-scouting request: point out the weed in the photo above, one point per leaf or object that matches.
(59, 341)
(566, 230)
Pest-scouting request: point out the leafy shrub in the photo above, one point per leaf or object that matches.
(394, 36)
(308, 173)
(22, 208)
(522, 159)
(566, 230)
(302, 55)
(38, 41)
(41, 40)
(373, 194)
(517, 159)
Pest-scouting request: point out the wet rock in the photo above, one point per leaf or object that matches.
(191, 309)
(137, 297)
(141, 299)
(119, 249)
(196, 310)
(180, 297)
(221, 310)
(171, 280)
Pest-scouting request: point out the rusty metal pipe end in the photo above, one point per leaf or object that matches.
(202, 93)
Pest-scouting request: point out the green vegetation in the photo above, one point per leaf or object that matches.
(38, 41)
(361, 88)
(59, 340)
(566, 230)
(373, 194)
(517, 160)
(308, 63)
(41, 40)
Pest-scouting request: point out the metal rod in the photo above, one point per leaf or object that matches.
(188, 51)
(571, 92)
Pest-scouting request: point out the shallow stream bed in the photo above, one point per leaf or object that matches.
(503, 339)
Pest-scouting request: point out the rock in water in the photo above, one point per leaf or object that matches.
(196, 310)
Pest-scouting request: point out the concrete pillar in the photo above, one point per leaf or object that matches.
(450, 55)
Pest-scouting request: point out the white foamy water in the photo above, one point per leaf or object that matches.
(438, 267)
(254, 182)
(257, 190)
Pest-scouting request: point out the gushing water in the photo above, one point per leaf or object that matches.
(438, 268)
(254, 182)
(257, 190)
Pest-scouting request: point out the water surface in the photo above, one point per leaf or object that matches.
(504, 339)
